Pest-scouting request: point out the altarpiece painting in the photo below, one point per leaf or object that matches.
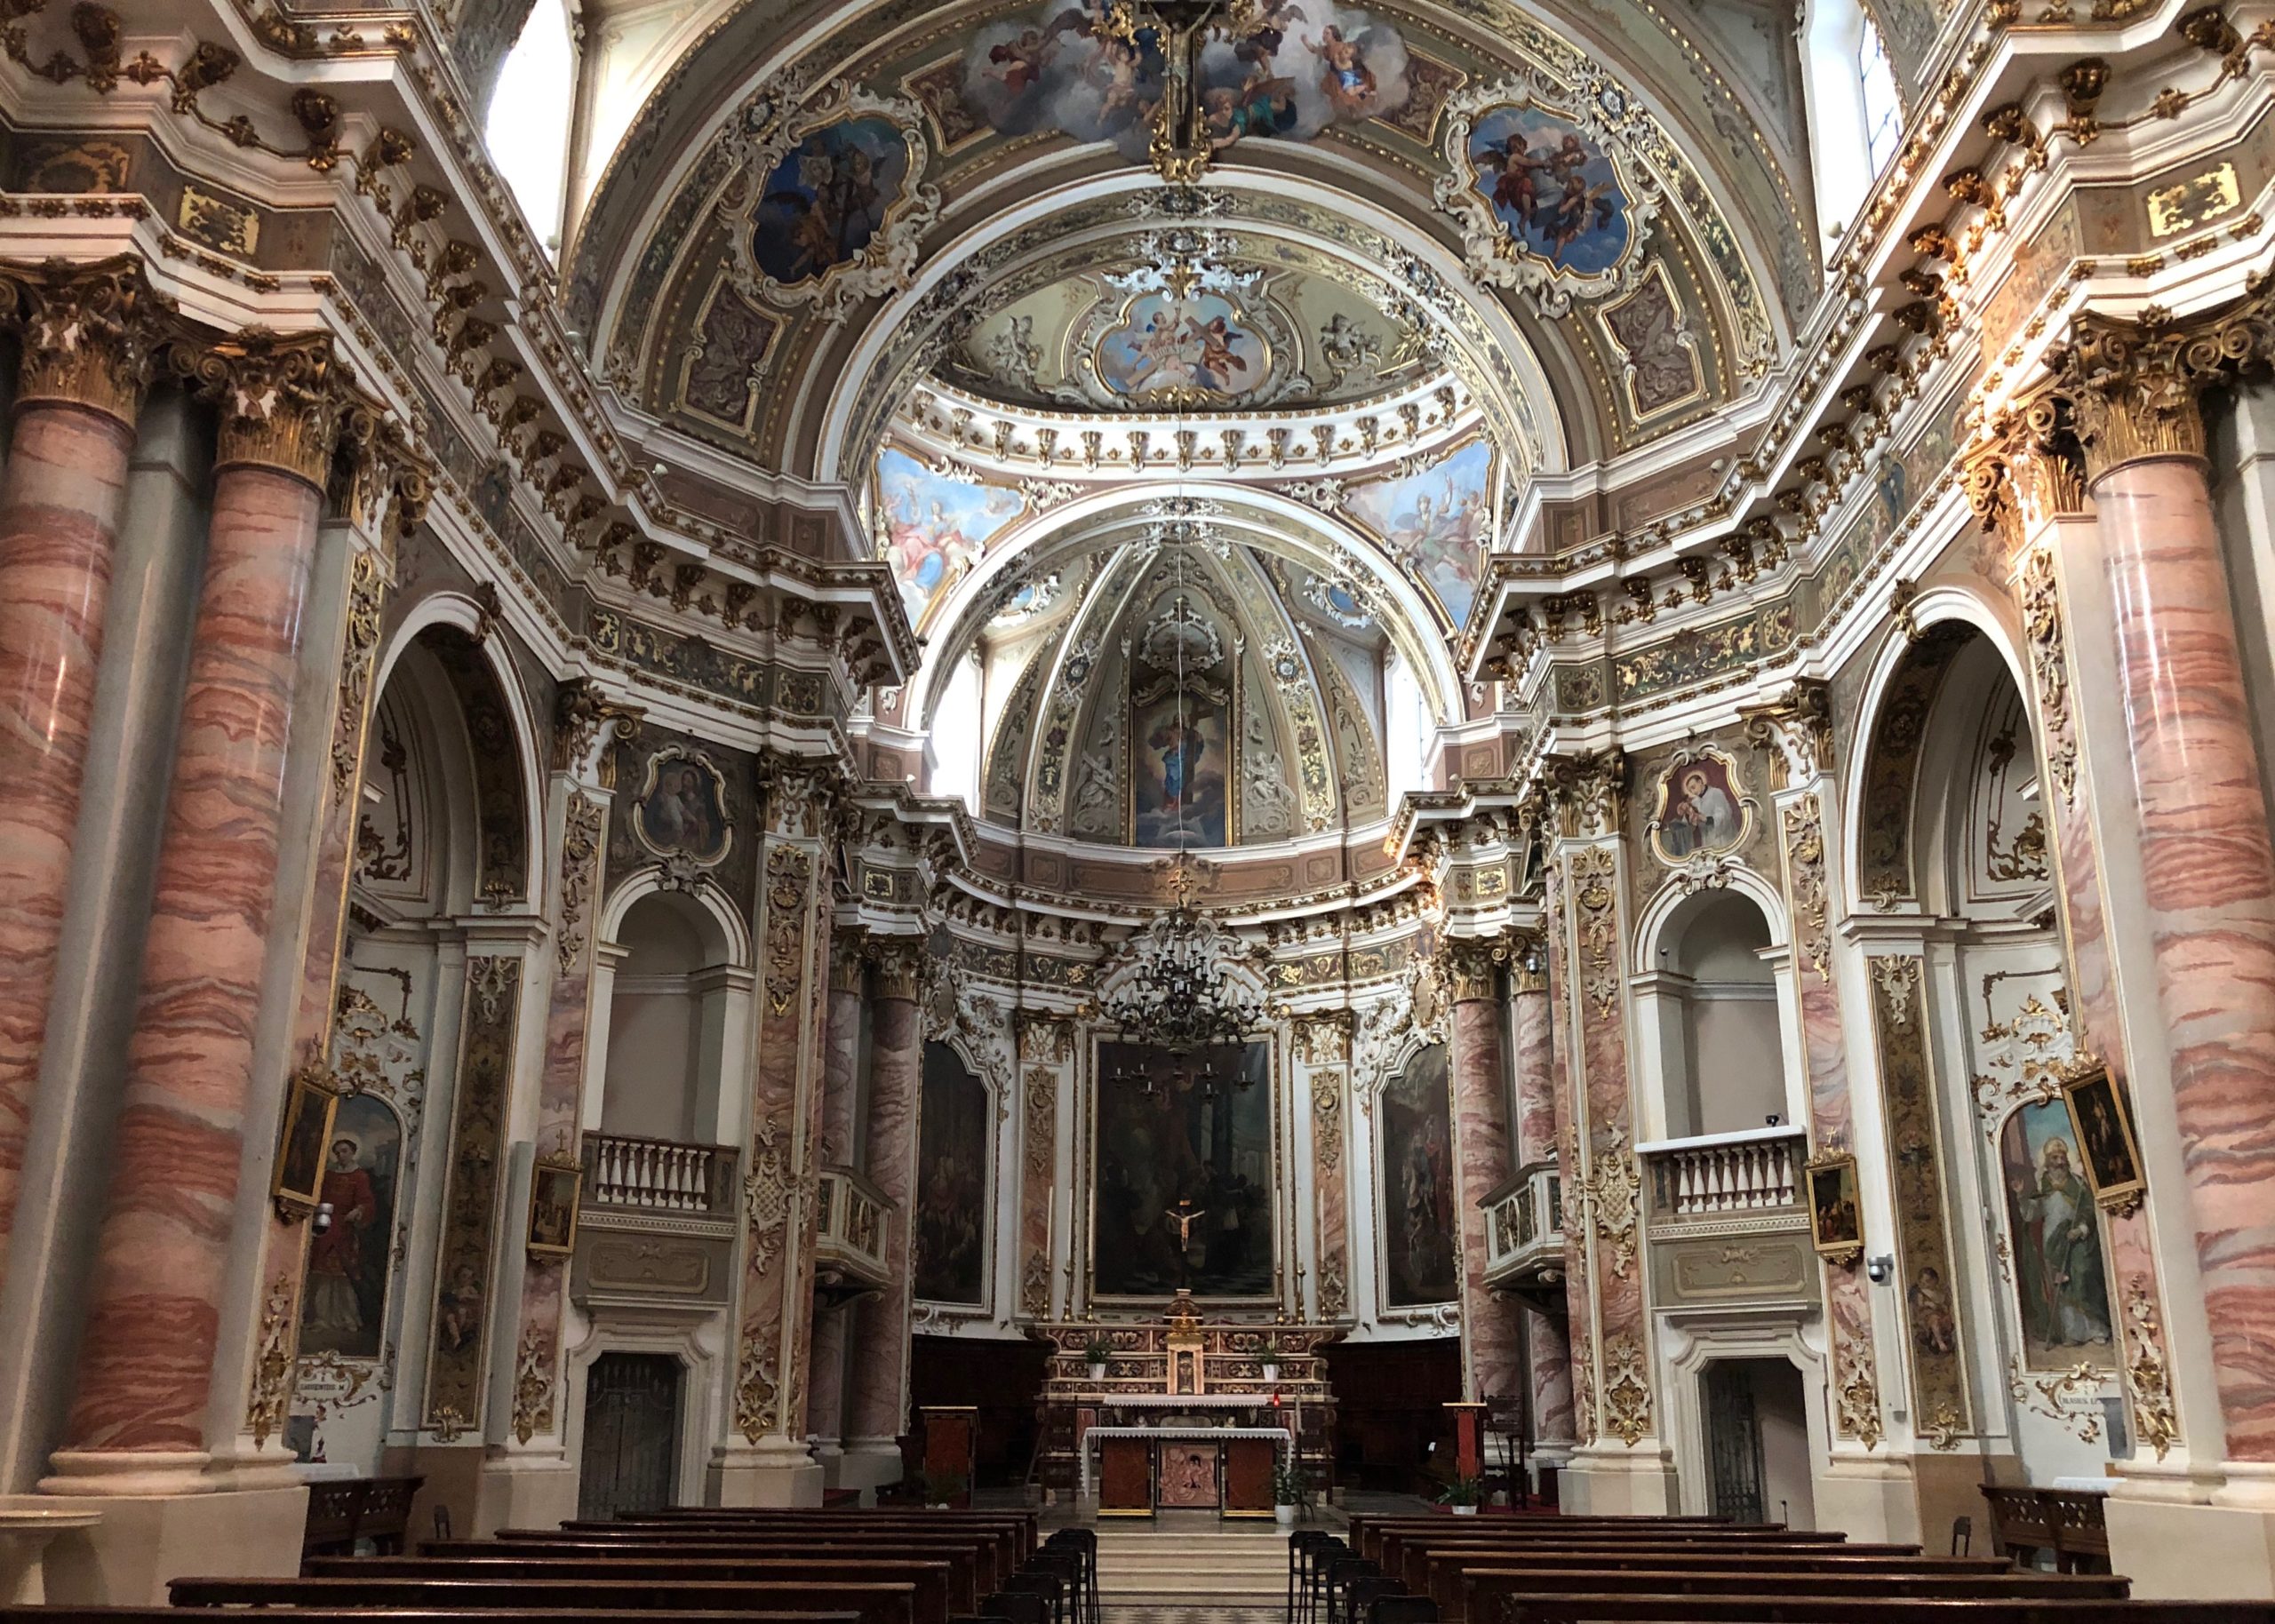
(951, 1205)
(1185, 1187)
(1419, 1238)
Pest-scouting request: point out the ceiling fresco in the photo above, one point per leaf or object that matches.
(1159, 335)
(964, 195)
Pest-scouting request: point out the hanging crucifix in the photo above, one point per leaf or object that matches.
(1185, 139)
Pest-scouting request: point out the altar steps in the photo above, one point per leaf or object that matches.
(1191, 1568)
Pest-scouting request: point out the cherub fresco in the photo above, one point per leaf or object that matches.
(827, 197)
(1552, 188)
(1436, 522)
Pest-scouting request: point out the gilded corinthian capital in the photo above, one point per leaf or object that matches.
(91, 334)
(2135, 386)
(899, 966)
(281, 400)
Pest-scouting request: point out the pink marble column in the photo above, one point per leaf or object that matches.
(2209, 874)
(1491, 1333)
(2100, 1028)
(60, 504)
(841, 1084)
(154, 1296)
(878, 1402)
(1547, 1343)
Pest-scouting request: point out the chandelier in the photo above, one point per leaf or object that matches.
(1178, 1001)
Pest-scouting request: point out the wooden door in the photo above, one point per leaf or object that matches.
(630, 1458)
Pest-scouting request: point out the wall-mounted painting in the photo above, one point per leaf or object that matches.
(952, 1162)
(1703, 809)
(343, 1307)
(681, 811)
(1184, 1183)
(1420, 1240)
(936, 528)
(2060, 1275)
(1286, 71)
(1437, 523)
(1182, 764)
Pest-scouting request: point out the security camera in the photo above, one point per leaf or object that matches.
(1879, 1270)
(322, 1222)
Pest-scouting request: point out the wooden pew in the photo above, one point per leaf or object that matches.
(1019, 1528)
(1485, 1594)
(1366, 1527)
(1408, 1557)
(66, 1614)
(1797, 1608)
(1386, 1543)
(1453, 1579)
(971, 1566)
(894, 1597)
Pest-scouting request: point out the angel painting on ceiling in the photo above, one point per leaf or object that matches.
(1184, 348)
(1437, 522)
(1552, 188)
(936, 528)
(827, 197)
(1096, 69)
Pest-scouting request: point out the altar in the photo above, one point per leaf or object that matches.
(1166, 1467)
(1185, 1413)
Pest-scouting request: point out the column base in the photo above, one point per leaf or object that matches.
(775, 1473)
(145, 1542)
(2175, 1551)
(1872, 1501)
(28, 1527)
(870, 1464)
(1948, 1484)
(1618, 1482)
(524, 1492)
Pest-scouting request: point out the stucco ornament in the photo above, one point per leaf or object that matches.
(1550, 199)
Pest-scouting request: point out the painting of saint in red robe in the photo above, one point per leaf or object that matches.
(343, 1310)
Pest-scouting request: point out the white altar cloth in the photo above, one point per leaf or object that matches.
(1219, 1434)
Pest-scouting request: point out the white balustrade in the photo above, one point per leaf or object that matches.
(653, 1176)
(1719, 1173)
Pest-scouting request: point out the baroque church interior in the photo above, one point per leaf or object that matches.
(1090, 758)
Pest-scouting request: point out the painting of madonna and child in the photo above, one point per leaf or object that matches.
(1185, 1175)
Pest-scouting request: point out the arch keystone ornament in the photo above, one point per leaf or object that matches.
(830, 205)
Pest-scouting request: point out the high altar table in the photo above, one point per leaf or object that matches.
(1224, 1469)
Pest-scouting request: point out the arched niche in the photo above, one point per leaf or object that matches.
(676, 983)
(1714, 1015)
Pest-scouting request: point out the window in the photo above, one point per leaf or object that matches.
(1883, 112)
(1407, 727)
(527, 131)
(1856, 114)
(955, 733)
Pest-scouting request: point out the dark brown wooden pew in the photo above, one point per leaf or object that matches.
(1384, 1540)
(1453, 1580)
(984, 1556)
(1409, 1558)
(891, 1597)
(1394, 1547)
(972, 1565)
(1486, 1593)
(1773, 1608)
(1366, 1527)
(1019, 1526)
(75, 1614)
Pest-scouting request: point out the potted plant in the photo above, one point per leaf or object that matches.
(1269, 1353)
(942, 1490)
(1097, 1351)
(1291, 1487)
(1461, 1495)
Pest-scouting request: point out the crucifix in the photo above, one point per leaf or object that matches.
(1185, 1218)
(1183, 142)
